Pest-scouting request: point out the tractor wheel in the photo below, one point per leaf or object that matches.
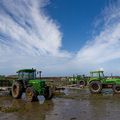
(82, 83)
(10, 93)
(95, 87)
(116, 89)
(48, 93)
(17, 90)
(30, 94)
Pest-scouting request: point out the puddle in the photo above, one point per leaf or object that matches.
(23, 97)
(41, 99)
(66, 91)
(72, 105)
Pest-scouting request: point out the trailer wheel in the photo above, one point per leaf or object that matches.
(95, 87)
(48, 93)
(82, 83)
(116, 89)
(17, 90)
(30, 94)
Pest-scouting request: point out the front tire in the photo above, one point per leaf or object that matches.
(95, 87)
(30, 94)
(116, 89)
(17, 90)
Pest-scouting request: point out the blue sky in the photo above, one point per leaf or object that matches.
(76, 19)
(60, 37)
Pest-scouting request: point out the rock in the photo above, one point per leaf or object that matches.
(73, 118)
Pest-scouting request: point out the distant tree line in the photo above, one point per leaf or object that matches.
(2, 77)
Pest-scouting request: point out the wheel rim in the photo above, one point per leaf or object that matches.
(118, 88)
(81, 83)
(29, 95)
(15, 90)
(95, 86)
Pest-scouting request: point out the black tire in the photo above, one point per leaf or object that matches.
(48, 93)
(82, 83)
(95, 87)
(10, 93)
(17, 90)
(116, 89)
(30, 94)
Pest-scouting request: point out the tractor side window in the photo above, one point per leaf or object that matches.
(101, 74)
(91, 74)
(25, 76)
(94, 75)
(32, 75)
(20, 75)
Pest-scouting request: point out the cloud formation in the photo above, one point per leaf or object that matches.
(24, 27)
(28, 36)
(31, 38)
(105, 46)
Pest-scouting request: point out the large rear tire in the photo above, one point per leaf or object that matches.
(116, 89)
(17, 90)
(30, 94)
(48, 93)
(95, 87)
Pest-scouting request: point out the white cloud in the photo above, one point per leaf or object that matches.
(30, 38)
(28, 28)
(105, 46)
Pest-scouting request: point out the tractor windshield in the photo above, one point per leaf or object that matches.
(97, 74)
(94, 75)
(26, 75)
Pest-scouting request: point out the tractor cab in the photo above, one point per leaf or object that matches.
(97, 74)
(27, 74)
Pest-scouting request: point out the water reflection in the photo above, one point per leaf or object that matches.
(108, 92)
(76, 104)
(17, 109)
(66, 91)
(23, 97)
(41, 99)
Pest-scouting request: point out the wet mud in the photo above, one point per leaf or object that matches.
(67, 105)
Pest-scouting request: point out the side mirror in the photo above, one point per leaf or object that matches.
(37, 72)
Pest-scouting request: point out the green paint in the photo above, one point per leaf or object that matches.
(99, 76)
(38, 86)
(29, 76)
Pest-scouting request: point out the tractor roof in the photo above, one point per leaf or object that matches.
(26, 70)
(98, 71)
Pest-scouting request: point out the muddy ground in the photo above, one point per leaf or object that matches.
(72, 105)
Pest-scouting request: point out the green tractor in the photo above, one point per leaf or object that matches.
(72, 80)
(80, 80)
(98, 81)
(28, 83)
